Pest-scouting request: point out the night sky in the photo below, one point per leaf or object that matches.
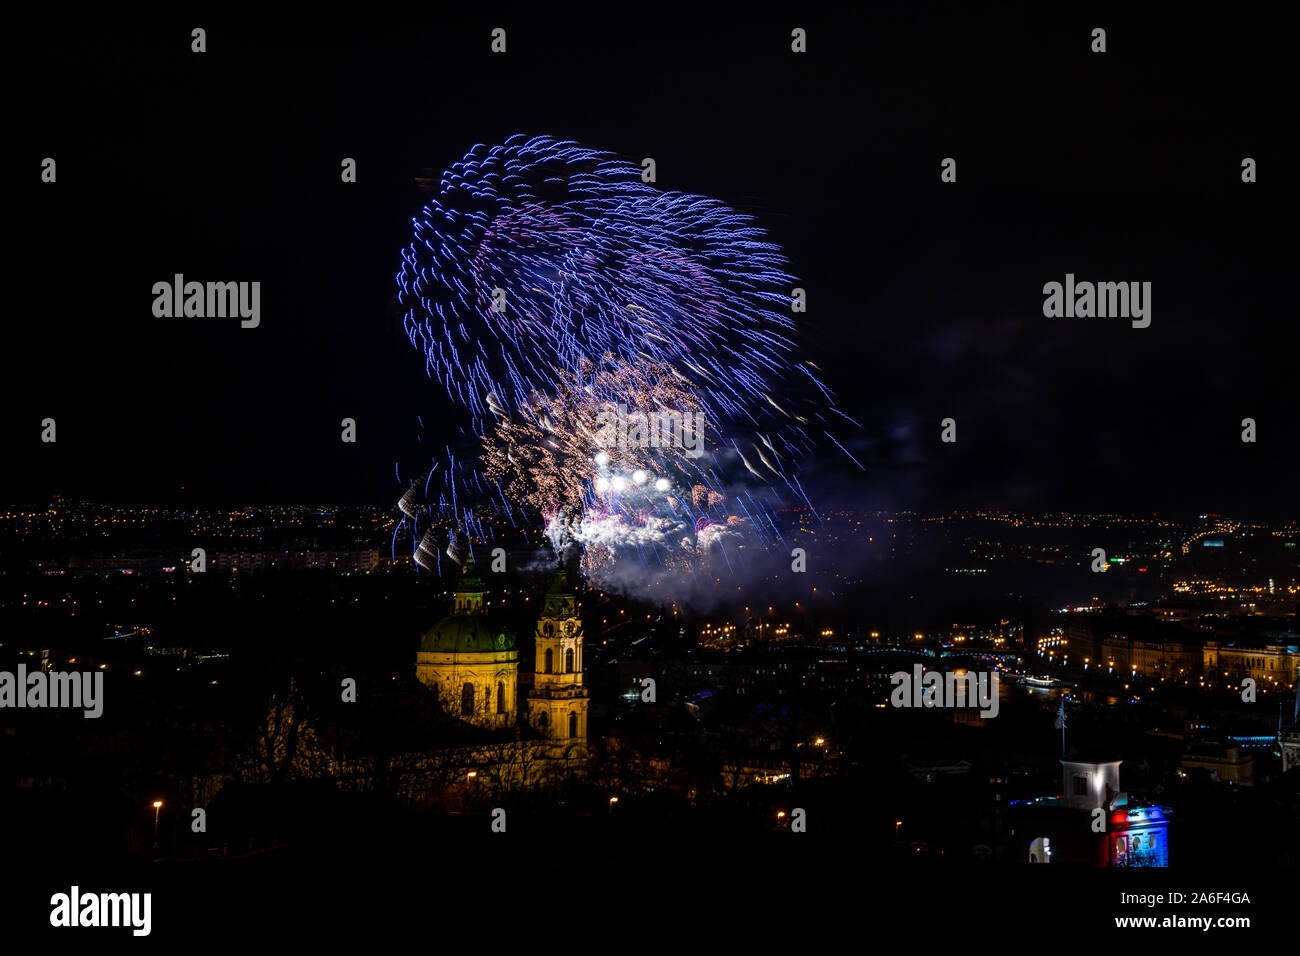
(925, 298)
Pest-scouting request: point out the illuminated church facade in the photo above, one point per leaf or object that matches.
(473, 666)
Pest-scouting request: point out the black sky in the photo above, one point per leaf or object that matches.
(925, 298)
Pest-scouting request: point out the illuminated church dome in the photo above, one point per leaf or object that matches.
(471, 663)
(455, 634)
(466, 630)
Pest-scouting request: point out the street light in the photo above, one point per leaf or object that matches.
(157, 808)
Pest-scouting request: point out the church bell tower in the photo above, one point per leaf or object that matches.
(557, 703)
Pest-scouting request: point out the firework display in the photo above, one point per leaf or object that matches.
(624, 355)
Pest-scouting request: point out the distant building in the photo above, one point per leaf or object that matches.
(359, 559)
(1226, 764)
(1267, 664)
(1172, 660)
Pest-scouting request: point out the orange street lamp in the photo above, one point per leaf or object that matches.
(157, 808)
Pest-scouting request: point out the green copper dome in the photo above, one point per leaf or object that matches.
(466, 634)
(467, 630)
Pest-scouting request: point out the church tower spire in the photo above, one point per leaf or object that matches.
(471, 592)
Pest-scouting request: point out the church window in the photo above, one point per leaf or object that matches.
(467, 700)
(573, 724)
(568, 661)
(501, 697)
(549, 660)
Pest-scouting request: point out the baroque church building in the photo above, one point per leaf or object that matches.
(472, 665)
